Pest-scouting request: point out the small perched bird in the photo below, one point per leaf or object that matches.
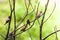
(38, 14)
(8, 20)
(24, 27)
(28, 22)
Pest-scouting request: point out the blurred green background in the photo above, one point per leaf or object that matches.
(34, 31)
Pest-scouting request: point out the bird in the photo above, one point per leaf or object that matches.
(38, 14)
(28, 22)
(24, 27)
(8, 20)
(9, 17)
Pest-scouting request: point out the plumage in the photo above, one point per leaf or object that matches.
(28, 22)
(38, 14)
(8, 20)
(24, 27)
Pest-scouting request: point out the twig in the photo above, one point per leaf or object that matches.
(9, 21)
(37, 8)
(21, 27)
(25, 4)
(51, 34)
(25, 17)
(32, 21)
(14, 18)
(43, 20)
(30, 4)
(26, 29)
(35, 18)
(10, 5)
(56, 33)
(37, 12)
(26, 14)
(51, 13)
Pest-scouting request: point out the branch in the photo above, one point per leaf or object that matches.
(51, 34)
(26, 14)
(43, 20)
(38, 15)
(9, 21)
(14, 18)
(51, 13)
(30, 22)
(55, 29)
(30, 4)
(26, 29)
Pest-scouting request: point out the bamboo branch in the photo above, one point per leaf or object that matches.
(25, 15)
(26, 24)
(26, 29)
(33, 20)
(30, 4)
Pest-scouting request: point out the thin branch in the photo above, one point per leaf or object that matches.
(30, 4)
(55, 29)
(51, 34)
(43, 20)
(25, 17)
(37, 8)
(51, 13)
(21, 27)
(14, 18)
(37, 13)
(25, 4)
(9, 21)
(26, 29)
(10, 5)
